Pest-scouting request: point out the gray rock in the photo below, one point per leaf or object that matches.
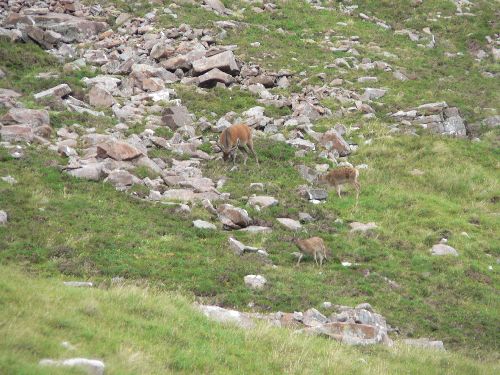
(256, 229)
(224, 61)
(455, 126)
(399, 76)
(491, 122)
(210, 78)
(304, 217)
(16, 133)
(442, 249)
(302, 144)
(201, 224)
(66, 150)
(99, 96)
(306, 172)
(239, 248)
(78, 284)
(361, 227)
(24, 116)
(289, 224)
(55, 92)
(255, 281)
(332, 140)
(430, 108)
(3, 217)
(222, 315)
(233, 217)
(313, 318)
(9, 179)
(121, 178)
(176, 117)
(365, 306)
(373, 94)
(87, 172)
(90, 366)
(262, 201)
(317, 194)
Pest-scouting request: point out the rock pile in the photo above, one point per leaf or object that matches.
(438, 118)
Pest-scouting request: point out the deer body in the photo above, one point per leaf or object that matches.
(313, 246)
(340, 176)
(234, 137)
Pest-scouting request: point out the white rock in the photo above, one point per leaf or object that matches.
(3, 217)
(9, 179)
(90, 366)
(201, 224)
(290, 224)
(255, 281)
(442, 249)
(79, 284)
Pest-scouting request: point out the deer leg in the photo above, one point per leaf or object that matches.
(300, 258)
(245, 154)
(338, 190)
(315, 258)
(358, 187)
(250, 146)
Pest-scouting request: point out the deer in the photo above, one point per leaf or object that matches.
(340, 176)
(234, 137)
(313, 246)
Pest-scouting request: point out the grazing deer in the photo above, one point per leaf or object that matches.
(340, 176)
(313, 246)
(233, 137)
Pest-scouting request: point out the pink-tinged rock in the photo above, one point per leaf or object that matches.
(55, 92)
(211, 78)
(16, 133)
(33, 117)
(333, 140)
(100, 97)
(117, 150)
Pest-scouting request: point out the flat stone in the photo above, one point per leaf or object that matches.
(361, 227)
(304, 217)
(262, 201)
(87, 172)
(255, 281)
(317, 194)
(373, 94)
(313, 318)
(332, 140)
(256, 229)
(455, 126)
(201, 224)
(303, 144)
(122, 178)
(239, 248)
(210, 78)
(9, 179)
(55, 92)
(78, 284)
(222, 315)
(430, 108)
(16, 133)
(24, 116)
(117, 150)
(90, 366)
(224, 61)
(289, 223)
(442, 249)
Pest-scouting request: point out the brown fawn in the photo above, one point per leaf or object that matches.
(236, 137)
(340, 176)
(313, 246)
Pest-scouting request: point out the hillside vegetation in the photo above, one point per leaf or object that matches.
(418, 188)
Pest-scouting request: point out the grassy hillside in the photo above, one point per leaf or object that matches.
(143, 331)
(64, 228)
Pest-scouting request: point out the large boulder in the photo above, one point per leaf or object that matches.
(176, 117)
(24, 116)
(332, 140)
(233, 217)
(56, 92)
(71, 28)
(262, 201)
(118, 150)
(99, 96)
(16, 133)
(224, 61)
(222, 315)
(89, 366)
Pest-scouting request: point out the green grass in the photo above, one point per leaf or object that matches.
(64, 227)
(138, 330)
